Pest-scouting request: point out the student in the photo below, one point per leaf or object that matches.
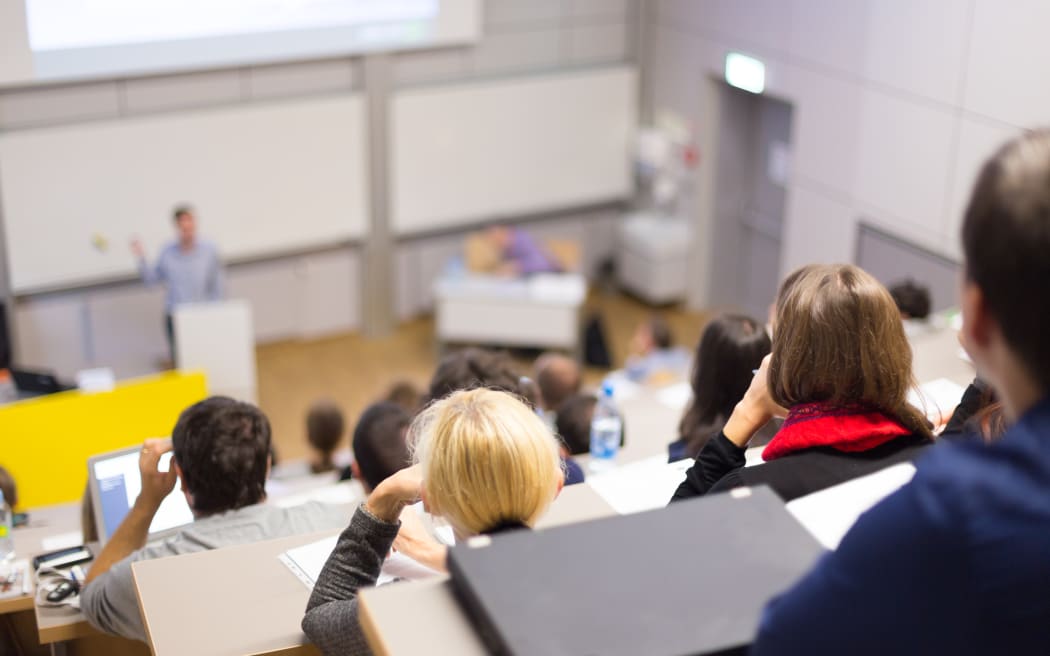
(573, 423)
(520, 254)
(8, 487)
(221, 456)
(380, 444)
(955, 562)
(654, 358)
(189, 266)
(729, 351)
(472, 368)
(557, 378)
(979, 413)
(486, 463)
(912, 299)
(841, 365)
(405, 394)
(324, 431)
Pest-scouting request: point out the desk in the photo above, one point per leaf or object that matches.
(259, 603)
(44, 523)
(430, 607)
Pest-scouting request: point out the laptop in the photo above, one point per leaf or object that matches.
(114, 483)
(37, 382)
(691, 578)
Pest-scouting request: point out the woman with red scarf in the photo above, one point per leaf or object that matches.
(840, 371)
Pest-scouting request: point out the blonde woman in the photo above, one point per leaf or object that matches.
(840, 371)
(485, 462)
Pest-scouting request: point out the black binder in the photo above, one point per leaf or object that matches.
(692, 578)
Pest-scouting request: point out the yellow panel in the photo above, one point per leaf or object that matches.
(45, 442)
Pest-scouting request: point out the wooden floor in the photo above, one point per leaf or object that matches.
(354, 370)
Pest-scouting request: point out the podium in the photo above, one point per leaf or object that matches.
(218, 338)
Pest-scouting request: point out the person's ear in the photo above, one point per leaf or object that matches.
(423, 498)
(978, 324)
(355, 470)
(182, 483)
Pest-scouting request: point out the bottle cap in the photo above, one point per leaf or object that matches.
(607, 389)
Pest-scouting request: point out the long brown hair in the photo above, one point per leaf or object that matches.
(839, 340)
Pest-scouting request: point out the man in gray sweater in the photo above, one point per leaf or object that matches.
(222, 456)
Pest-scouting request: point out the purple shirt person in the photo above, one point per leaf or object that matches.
(521, 253)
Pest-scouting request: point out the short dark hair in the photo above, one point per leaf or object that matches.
(912, 299)
(558, 377)
(472, 368)
(381, 442)
(8, 487)
(405, 394)
(222, 447)
(573, 422)
(179, 211)
(660, 331)
(324, 426)
(1006, 241)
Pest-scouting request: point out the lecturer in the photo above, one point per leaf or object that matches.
(189, 266)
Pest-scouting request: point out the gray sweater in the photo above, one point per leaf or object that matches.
(331, 614)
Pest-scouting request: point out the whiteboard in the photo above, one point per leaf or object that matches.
(466, 153)
(264, 179)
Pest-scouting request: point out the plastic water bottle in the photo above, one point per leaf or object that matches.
(606, 428)
(7, 541)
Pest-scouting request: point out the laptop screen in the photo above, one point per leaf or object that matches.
(115, 483)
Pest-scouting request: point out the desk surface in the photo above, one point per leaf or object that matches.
(430, 606)
(258, 603)
(240, 600)
(44, 523)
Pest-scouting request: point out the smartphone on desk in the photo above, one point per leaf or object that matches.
(63, 558)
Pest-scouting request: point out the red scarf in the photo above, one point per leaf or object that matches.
(849, 428)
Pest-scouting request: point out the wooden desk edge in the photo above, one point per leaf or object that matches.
(368, 626)
(17, 604)
(64, 632)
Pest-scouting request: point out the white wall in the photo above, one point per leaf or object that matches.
(119, 324)
(896, 102)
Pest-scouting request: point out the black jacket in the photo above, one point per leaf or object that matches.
(720, 467)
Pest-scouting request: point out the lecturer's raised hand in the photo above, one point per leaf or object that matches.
(156, 484)
(137, 249)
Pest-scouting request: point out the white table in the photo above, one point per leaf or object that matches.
(539, 311)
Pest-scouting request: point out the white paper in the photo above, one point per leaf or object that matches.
(62, 541)
(937, 399)
(639, 486)
(829, 513)
(675, 396)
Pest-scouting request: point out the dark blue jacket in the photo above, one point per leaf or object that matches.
(956, 562)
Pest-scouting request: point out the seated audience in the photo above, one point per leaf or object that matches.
(407, 395)
(473, 368)
(654, 359)
(557, 378)
(955, 562)
(573, 423)
(979, 413)
(324, 432)
(912, 299)
(730, 350)
(486, 463)
(573, 426)
(8, 487)
(221, 456)
(840, 371)
(519, 253)
(380, 444)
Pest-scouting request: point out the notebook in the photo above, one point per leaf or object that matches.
(691, 578)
